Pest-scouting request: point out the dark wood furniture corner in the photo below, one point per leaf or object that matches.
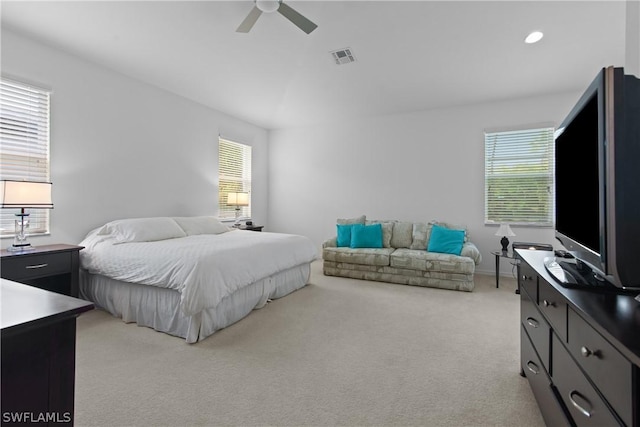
(579, 349)
(251, 227)
(38, 330)
(55, 268)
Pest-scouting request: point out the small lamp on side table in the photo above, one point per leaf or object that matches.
(237, 200)
(24, 195)
(505, 231)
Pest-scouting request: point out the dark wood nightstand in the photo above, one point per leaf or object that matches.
(55, 268)
(251, 227)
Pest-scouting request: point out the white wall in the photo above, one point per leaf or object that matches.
(121, 148)
(632, 38)
(416, 167)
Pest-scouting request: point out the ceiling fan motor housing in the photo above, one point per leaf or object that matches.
(268, 6)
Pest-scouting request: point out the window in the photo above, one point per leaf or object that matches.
(234, 170)
(519, 177)
(24, 146)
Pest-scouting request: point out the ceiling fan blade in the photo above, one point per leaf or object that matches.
(249, 21)
(300, 21)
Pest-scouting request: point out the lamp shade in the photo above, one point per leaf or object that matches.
(505, 231)
(25, 194)
(238, 199)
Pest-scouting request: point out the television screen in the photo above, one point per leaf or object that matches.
(597, 196)
(577, 178)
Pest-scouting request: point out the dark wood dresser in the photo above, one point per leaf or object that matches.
(55, 268)
(38, 354)
(580, 349)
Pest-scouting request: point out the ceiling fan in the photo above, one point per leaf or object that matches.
(270, 6)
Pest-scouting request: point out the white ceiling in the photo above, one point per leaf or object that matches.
(410, 55)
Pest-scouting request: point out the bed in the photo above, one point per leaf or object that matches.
(189, 276)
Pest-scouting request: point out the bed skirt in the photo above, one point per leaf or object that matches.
(159, 308)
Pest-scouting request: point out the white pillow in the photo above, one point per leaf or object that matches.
(201, 225)
(143, 229)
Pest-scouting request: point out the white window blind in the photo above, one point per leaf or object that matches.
(519, 177)
(24, 146)
(234, 166)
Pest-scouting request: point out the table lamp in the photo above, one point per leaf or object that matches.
(24, 195)
(237, 200)
(505, 231)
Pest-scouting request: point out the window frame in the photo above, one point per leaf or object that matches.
(511, 157)
(233, 175)
(25, 146)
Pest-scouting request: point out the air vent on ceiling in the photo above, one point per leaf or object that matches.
(343, 56)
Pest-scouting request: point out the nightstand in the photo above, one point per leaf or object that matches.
(251, 227)
(55, 268)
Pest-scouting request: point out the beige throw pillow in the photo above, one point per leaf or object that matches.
(402, 236)
(420, 236)
(359, 220)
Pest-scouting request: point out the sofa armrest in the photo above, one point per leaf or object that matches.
(331, 243)
(470, 250)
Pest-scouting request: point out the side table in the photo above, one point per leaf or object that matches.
(54, 268)
(498, 255)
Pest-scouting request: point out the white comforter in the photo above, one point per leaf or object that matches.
(204, 268)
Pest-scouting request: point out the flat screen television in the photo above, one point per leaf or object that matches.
(597, 186)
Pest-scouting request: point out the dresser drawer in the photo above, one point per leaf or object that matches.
(33, 266)
(581, 399)
(554, 306)
(528, 280)
(609, 370)
(536, 327)
(540, 384)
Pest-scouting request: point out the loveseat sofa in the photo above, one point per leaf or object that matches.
(402, 257)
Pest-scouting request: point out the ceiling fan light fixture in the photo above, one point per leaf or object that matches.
(268, 6)
(534, 37)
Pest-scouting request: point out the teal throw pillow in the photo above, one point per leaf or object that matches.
(344, 235)
(445, 240)
(366, 236)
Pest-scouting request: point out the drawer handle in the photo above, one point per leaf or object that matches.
(532, 322)
(32, 267)
(533, 367)
(548, 303)
(525, 277)
(585, 352)
(583, 411)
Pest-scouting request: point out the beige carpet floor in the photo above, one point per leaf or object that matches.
(338, 352)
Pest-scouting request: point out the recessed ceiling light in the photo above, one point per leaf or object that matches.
(534, 37)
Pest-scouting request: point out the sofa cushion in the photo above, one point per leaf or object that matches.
(432, 261)
(366, 236)
(364, 256)
(420, 236)
(453, 227)
(387, 231)
(358, 220)
(402, 235)
(445, 240)
(343, 235)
